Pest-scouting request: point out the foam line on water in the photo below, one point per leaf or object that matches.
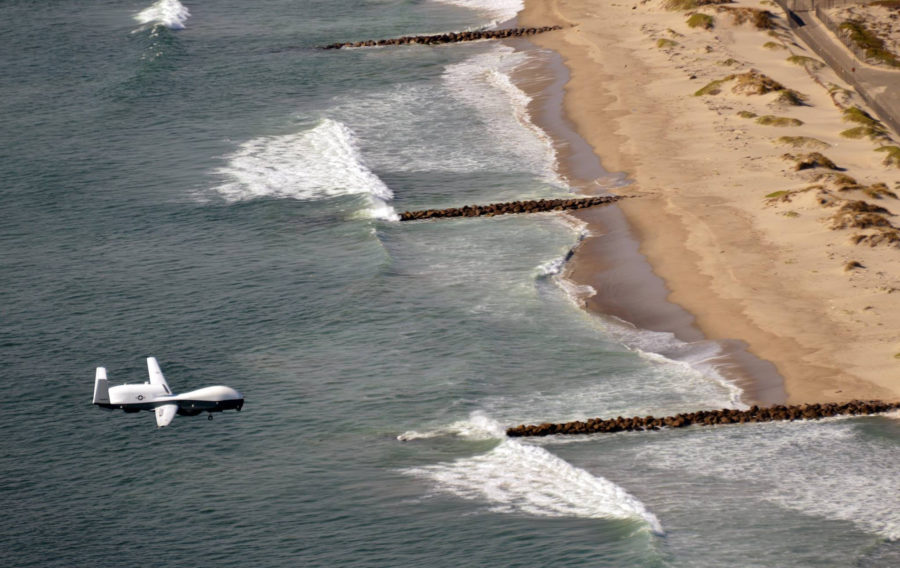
(506, 115)
(517, 477)
(169, 13)
(497, 10)
(697, 360)
(319, 163)
(829, 468)
(474, 120)
(699, 357)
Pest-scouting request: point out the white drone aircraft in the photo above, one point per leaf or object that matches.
(157, 396)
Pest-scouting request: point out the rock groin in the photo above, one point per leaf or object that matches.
(706, 417)
(451, 37)
(510, 207)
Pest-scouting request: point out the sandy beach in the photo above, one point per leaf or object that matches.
(767, 225)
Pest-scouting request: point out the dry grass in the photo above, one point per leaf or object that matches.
(759, 18)
(878, 191)
(858, 115)
(791, 97)
(837, 89)
(802, 142)
(810, 161)
(664, 43)
(698, 20)
(858, 132)
(869, 127)
(850, 220)
(869, 42)
(860, 215)
(713, 87)
(787, 196)
(892, 154)
(747, 114)
(771, 120)
(840, 182)
(881, 237)
(863, 207)
(753, 83)
(804, 61)
(692, 4)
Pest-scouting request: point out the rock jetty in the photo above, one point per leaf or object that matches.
(707, 418)
(451, 37)
(510, 207)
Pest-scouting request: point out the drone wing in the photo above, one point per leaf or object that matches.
(156, 376)
(165, 414)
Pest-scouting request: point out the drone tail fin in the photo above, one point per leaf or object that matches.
(101, 387)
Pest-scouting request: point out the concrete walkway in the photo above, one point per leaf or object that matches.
(879, 88)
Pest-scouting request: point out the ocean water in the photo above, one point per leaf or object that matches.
(198, 182)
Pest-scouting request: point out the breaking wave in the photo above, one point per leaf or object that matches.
(320, 163)
(517, 477)
(169, 13)
(497, 10)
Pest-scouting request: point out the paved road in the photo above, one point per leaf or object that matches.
(880, 88)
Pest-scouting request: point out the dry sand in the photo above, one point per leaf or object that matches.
(770, 271)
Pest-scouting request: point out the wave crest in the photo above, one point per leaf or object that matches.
(517, 477)
(320, 163)
(498, 10)
(169, 13)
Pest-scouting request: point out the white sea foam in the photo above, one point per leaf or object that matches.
(484, 83)
(827, 468)
(552, 267)
(477, 427)
(577, 293)
(476, 122)
(700, 358)
(659, 389)
(169, 13)
(497, 10)
(419, 113)
(517, 477)
(320, 163)
(694, 363)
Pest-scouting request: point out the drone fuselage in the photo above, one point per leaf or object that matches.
(156, 396)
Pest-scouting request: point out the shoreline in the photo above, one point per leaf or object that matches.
(718, 267)
(608, 259)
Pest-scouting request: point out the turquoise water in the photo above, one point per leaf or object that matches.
(206, 187)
